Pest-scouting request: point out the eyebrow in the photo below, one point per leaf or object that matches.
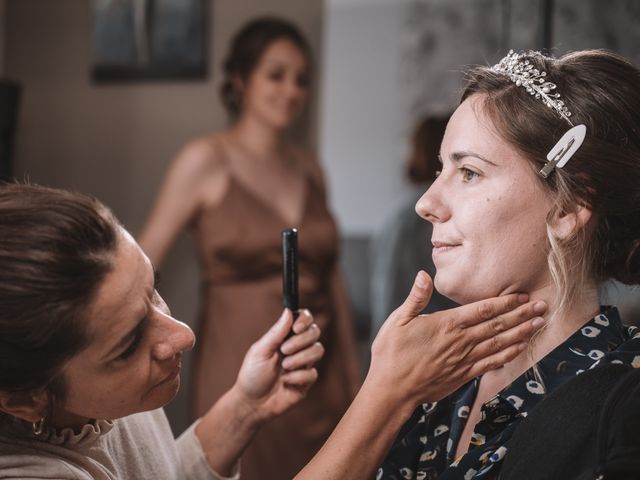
(457, 156)
(128, 338)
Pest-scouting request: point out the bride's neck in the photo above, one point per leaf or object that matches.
(560, 324)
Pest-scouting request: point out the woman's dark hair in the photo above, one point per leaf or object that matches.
(423, 163)
(247, 47)
(602, 91)
(56, 248)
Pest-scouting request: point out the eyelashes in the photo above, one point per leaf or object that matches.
(133, 346)
(468, 175)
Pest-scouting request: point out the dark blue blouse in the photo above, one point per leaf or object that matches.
(426, 444)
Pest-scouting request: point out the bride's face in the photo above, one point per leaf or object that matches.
(488, 210)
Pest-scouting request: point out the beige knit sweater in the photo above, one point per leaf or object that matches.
(136, 447)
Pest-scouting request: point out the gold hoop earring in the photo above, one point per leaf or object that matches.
(38, 426)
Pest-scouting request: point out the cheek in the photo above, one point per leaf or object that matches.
(505, 248)
(98, 395)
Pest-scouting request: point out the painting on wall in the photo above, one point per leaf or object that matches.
(443, 37)
(148, 39)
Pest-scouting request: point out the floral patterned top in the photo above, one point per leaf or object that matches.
(425, 445)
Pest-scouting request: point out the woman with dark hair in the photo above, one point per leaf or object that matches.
(236, 189)
(539, 192)
(89, 353)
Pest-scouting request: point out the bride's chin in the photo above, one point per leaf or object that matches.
(446, 289)
(460, 293)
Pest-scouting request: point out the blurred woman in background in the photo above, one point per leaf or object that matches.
(237, 189)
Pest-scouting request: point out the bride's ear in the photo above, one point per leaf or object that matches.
(27, 406)
(567, 224)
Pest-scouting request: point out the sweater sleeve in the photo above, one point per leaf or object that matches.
(193, 460)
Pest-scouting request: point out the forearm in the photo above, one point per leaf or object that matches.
(361, 440)
(225, 431)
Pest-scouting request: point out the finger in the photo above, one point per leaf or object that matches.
(304, 321)
(304, 359)
(497, 360)
(300, 378)
(481, 311)
(301, 341)
(269, 343)
(501, 323)
(518, 334)
(417, 299)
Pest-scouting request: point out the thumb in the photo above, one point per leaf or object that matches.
(417, 299)
(270, 342)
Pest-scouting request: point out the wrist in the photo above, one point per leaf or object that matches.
(247, 410)
(395, 400)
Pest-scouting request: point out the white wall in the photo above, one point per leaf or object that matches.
(362, 119)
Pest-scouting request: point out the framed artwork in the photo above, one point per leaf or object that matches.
(148, 39)
(442, 37)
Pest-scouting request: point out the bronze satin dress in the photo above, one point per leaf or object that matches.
(240, 250)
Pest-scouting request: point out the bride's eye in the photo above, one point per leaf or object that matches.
(468, 175)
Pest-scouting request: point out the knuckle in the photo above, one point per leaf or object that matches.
(450, 323)
(485, 311)
(316, 330)
(491, 364)
(496, 344)
(520, 314)
(498, 324)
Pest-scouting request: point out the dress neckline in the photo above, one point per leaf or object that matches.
(264, 202)
(271, 208)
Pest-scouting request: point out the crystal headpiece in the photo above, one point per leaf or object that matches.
(524, 74)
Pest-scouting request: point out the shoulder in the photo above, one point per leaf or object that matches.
(199, 156)
(567, 423)
(626, 343)
(19, 461)
(199, 173)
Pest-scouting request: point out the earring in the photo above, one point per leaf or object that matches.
(38, 426)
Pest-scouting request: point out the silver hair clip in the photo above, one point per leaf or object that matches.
(523, 73)
(562, 151)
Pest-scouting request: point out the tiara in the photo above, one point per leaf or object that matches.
(523, 73)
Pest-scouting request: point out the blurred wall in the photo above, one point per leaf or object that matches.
(115, 140)
(363, 121)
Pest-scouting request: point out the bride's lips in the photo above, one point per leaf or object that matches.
(440, 247)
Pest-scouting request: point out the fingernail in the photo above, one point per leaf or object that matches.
(420, 281)
(538, 322)
(523, 297)
(539, 307)
(283, 315)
